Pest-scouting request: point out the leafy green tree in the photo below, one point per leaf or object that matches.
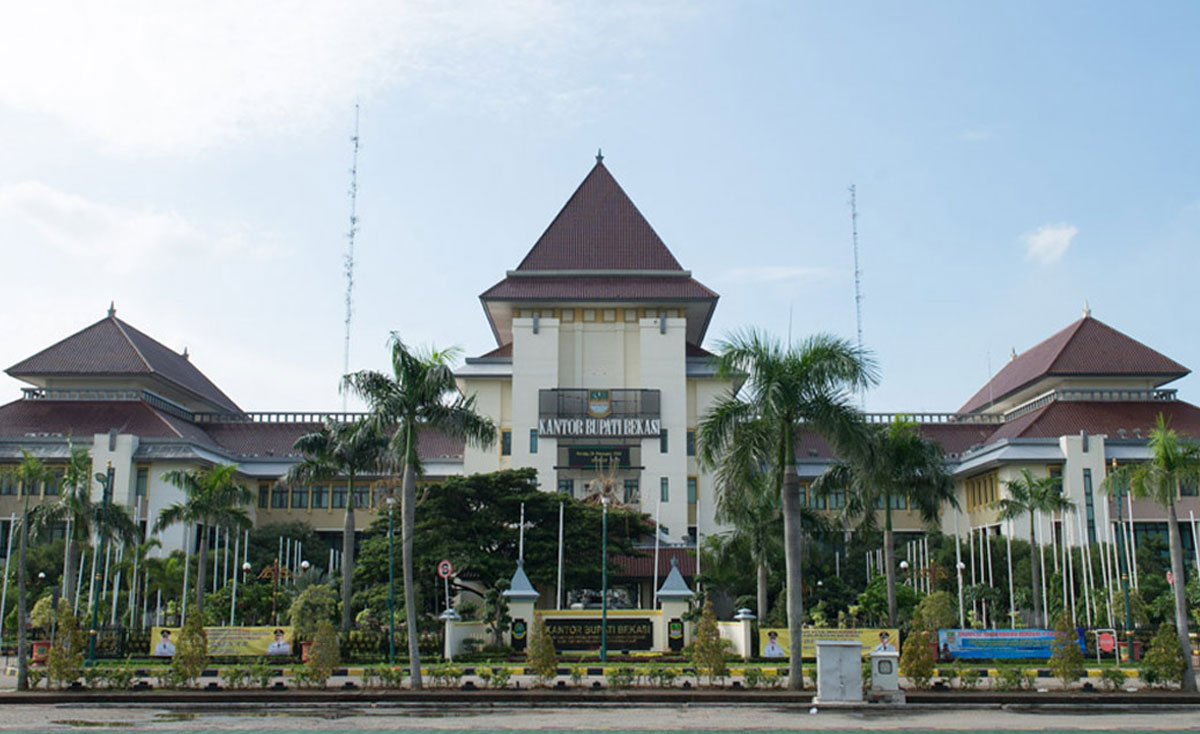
(936, 611)
(542, 657)
(86, 519)
(1029, 495)
(420, 395)
(312, 607)
(1066, 658)
(325, 654)
(495, 611)
(750, 506)
(894, 461)
(30, 474)
(212, 498)
(789, 390)
(64, 664)
(1174, 463)
(874, 600)
(916, 657)
(350, 449)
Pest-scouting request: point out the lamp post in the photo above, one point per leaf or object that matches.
(904, 570)
(391, 503)
(106, 481)
(960, 566)
(604, 579)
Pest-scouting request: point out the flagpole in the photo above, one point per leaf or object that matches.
(958, 569)
(657, 543)
(521, 537)
(12, 523)
(559, 597)
(1012, 599)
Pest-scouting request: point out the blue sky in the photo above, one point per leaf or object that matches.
(191, 163)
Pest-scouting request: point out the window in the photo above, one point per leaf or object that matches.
(803, 494)
(691, 443)
(142, 482)
(631, 491)
(837, 500)
(691, 490)
(664, 490)
(300, 497)
(52, 483)
(506, 442)
(8, 484)
(362, 496)
(1090, 506)
(818, 501)
(279, 497)
(58, 531)
(338, 497)
(662, 442)
(320, 496)
(264, 495)
(566, 486)
(1189, 488)
(899, 502)
(533, 437)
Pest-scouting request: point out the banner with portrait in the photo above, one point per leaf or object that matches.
(997, 644)
(775, 642)
(228, 641)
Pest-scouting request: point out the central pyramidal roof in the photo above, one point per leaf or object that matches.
(599, 248)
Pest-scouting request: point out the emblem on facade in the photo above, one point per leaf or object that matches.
(599, 403)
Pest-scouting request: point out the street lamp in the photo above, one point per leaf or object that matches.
(304, 566)
(904, 570)
(960, 566)
(391, 503)
(245, 570)
(604, 579)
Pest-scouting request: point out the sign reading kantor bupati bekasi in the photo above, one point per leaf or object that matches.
(626, 413)
(583, 633)
(552, 427)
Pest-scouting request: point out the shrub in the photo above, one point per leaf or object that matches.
(753, 677)
(665, 677)
(313, 606)
(1014, 679)
(622, 677)
(936, 611)
(386, 676)
(577, 673)
(1163, 662)
(542, 657)
(64, 664)
(916, 658)
(708, 649)
(260, 675)
(1113, 678)
(1066, 658)
(448, 675)
(501, 677)
(191, 651)
(324, 655)
(968, 676)
(236, 677)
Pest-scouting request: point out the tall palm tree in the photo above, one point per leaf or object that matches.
(895, 462)
(340, 449)
(788, 389)
(212, 497)
(753, 512)
(30, 474)
(1174, 462)
(419, 395)
(1029, 495)
(87, 519)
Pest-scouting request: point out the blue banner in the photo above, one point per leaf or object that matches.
(997, 644)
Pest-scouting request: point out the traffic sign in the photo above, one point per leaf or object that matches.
(1106, 642)
(445, 569)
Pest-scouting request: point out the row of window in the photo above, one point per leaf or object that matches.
(631, 489)
(837, 500)
(982, 491)
(663, 442)
(317, 496)
(10, 485)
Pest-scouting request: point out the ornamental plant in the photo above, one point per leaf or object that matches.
(708, 649)
(543, 659)
(325, 654)
(64, 664)
(1066, 659)
(1163, 662)
(191, 651)
(916, 658)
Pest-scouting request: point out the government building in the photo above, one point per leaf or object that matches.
(598, 380)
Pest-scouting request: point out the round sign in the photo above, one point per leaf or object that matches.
(1106, 642)
(445, 569)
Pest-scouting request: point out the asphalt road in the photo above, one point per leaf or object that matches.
(339, 719)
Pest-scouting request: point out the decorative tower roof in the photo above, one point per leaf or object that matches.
(520, 589)
(674, 588)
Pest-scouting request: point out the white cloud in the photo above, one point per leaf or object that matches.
(111, 239)
(775, 273)
(146, 77)
(1048, 243)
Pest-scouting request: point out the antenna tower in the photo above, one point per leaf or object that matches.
(857, 271)
(348, 263)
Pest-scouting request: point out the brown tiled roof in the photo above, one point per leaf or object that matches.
(85, 418)
(1068, 417)
(277, 439)
(954, 438)
(503, 351)
(693, 350)
(599, 228)
(599, 288)
(112, 347)
(642, 566)
(1086, 347)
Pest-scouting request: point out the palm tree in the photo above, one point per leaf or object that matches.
(87, 519)
(1174, 462)
(30, 473)
(894, 462)
(753, 511)
(789, 389)
(419, 395)
(1031, 495)
(340, 449)
(212, 497)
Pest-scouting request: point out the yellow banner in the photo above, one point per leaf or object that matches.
(773, 643)
(229, 641)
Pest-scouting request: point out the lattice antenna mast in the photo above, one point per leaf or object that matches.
(857, 272)
(348, 263)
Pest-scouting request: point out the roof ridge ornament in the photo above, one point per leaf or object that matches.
(1087, 309)
(112, 309)
(599, 155)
